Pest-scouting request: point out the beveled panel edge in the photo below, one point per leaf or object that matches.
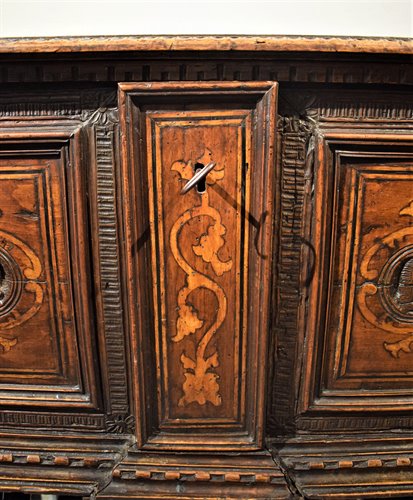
(265, 97)
(303, 117)
(312, 398)
(65, 139)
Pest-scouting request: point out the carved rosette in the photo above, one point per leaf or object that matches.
(21, 293)
(201, 380)
(385, 298)
(121, 423)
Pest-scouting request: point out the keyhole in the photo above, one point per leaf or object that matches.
(200, 185)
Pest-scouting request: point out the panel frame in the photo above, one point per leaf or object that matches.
(157, 122)
(63, 140)
(132, 100)
(335, 144)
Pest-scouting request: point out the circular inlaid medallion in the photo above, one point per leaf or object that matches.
(396, 285)
(11, 282)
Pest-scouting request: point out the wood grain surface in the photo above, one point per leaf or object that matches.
(251, 338)
(207, 42)
(209, 252)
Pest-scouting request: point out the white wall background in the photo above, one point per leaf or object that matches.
(20, 18)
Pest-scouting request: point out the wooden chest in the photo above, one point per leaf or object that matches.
(206, 267)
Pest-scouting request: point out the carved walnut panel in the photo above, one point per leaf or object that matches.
(375, 252)
(201, 257)
(363, 321)
(45, 348)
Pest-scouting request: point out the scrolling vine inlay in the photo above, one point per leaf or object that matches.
(393, 286)
(201, 381)
(21, 296)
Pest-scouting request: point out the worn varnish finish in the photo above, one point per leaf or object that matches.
(217, 43)
(208, 251)
(362, 247)
(42, 237)
(251, 338)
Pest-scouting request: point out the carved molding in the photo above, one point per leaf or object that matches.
(288, 276)
(55, 420)
(244, 469)
(172, 68)
(349, 108)
(173, 43)
(122, 423)
(86, 105)
(216, 476)
(39, 109)
(310, 453)
(21, 458)
(346, 467)
(353, 111)
(197, 476)
(343, 423)
(355, 462)
(105, 128)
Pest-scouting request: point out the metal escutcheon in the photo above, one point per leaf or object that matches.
(197, 177)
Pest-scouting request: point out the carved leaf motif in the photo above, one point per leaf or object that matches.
(188, 363)
(185, 169)
(120, 423)
(7, 344)
(395, 348)
(208, 247)
(200, 385)
(407, 210)
(101, 116)
(187, 322)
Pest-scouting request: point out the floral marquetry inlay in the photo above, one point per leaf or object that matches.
(201, 381)
(21, 295)
(392, 285)
(197, 180)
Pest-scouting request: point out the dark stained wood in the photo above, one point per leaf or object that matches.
(285, 67)
(250, 340)
(212, 476)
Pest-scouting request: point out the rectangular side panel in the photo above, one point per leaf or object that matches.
(200, 239)
(372, 301)
(45, 317)
(360, 323)
(207, 253)
(37, 329)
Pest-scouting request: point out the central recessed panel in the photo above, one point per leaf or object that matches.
(198, 186)
(200, 263)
